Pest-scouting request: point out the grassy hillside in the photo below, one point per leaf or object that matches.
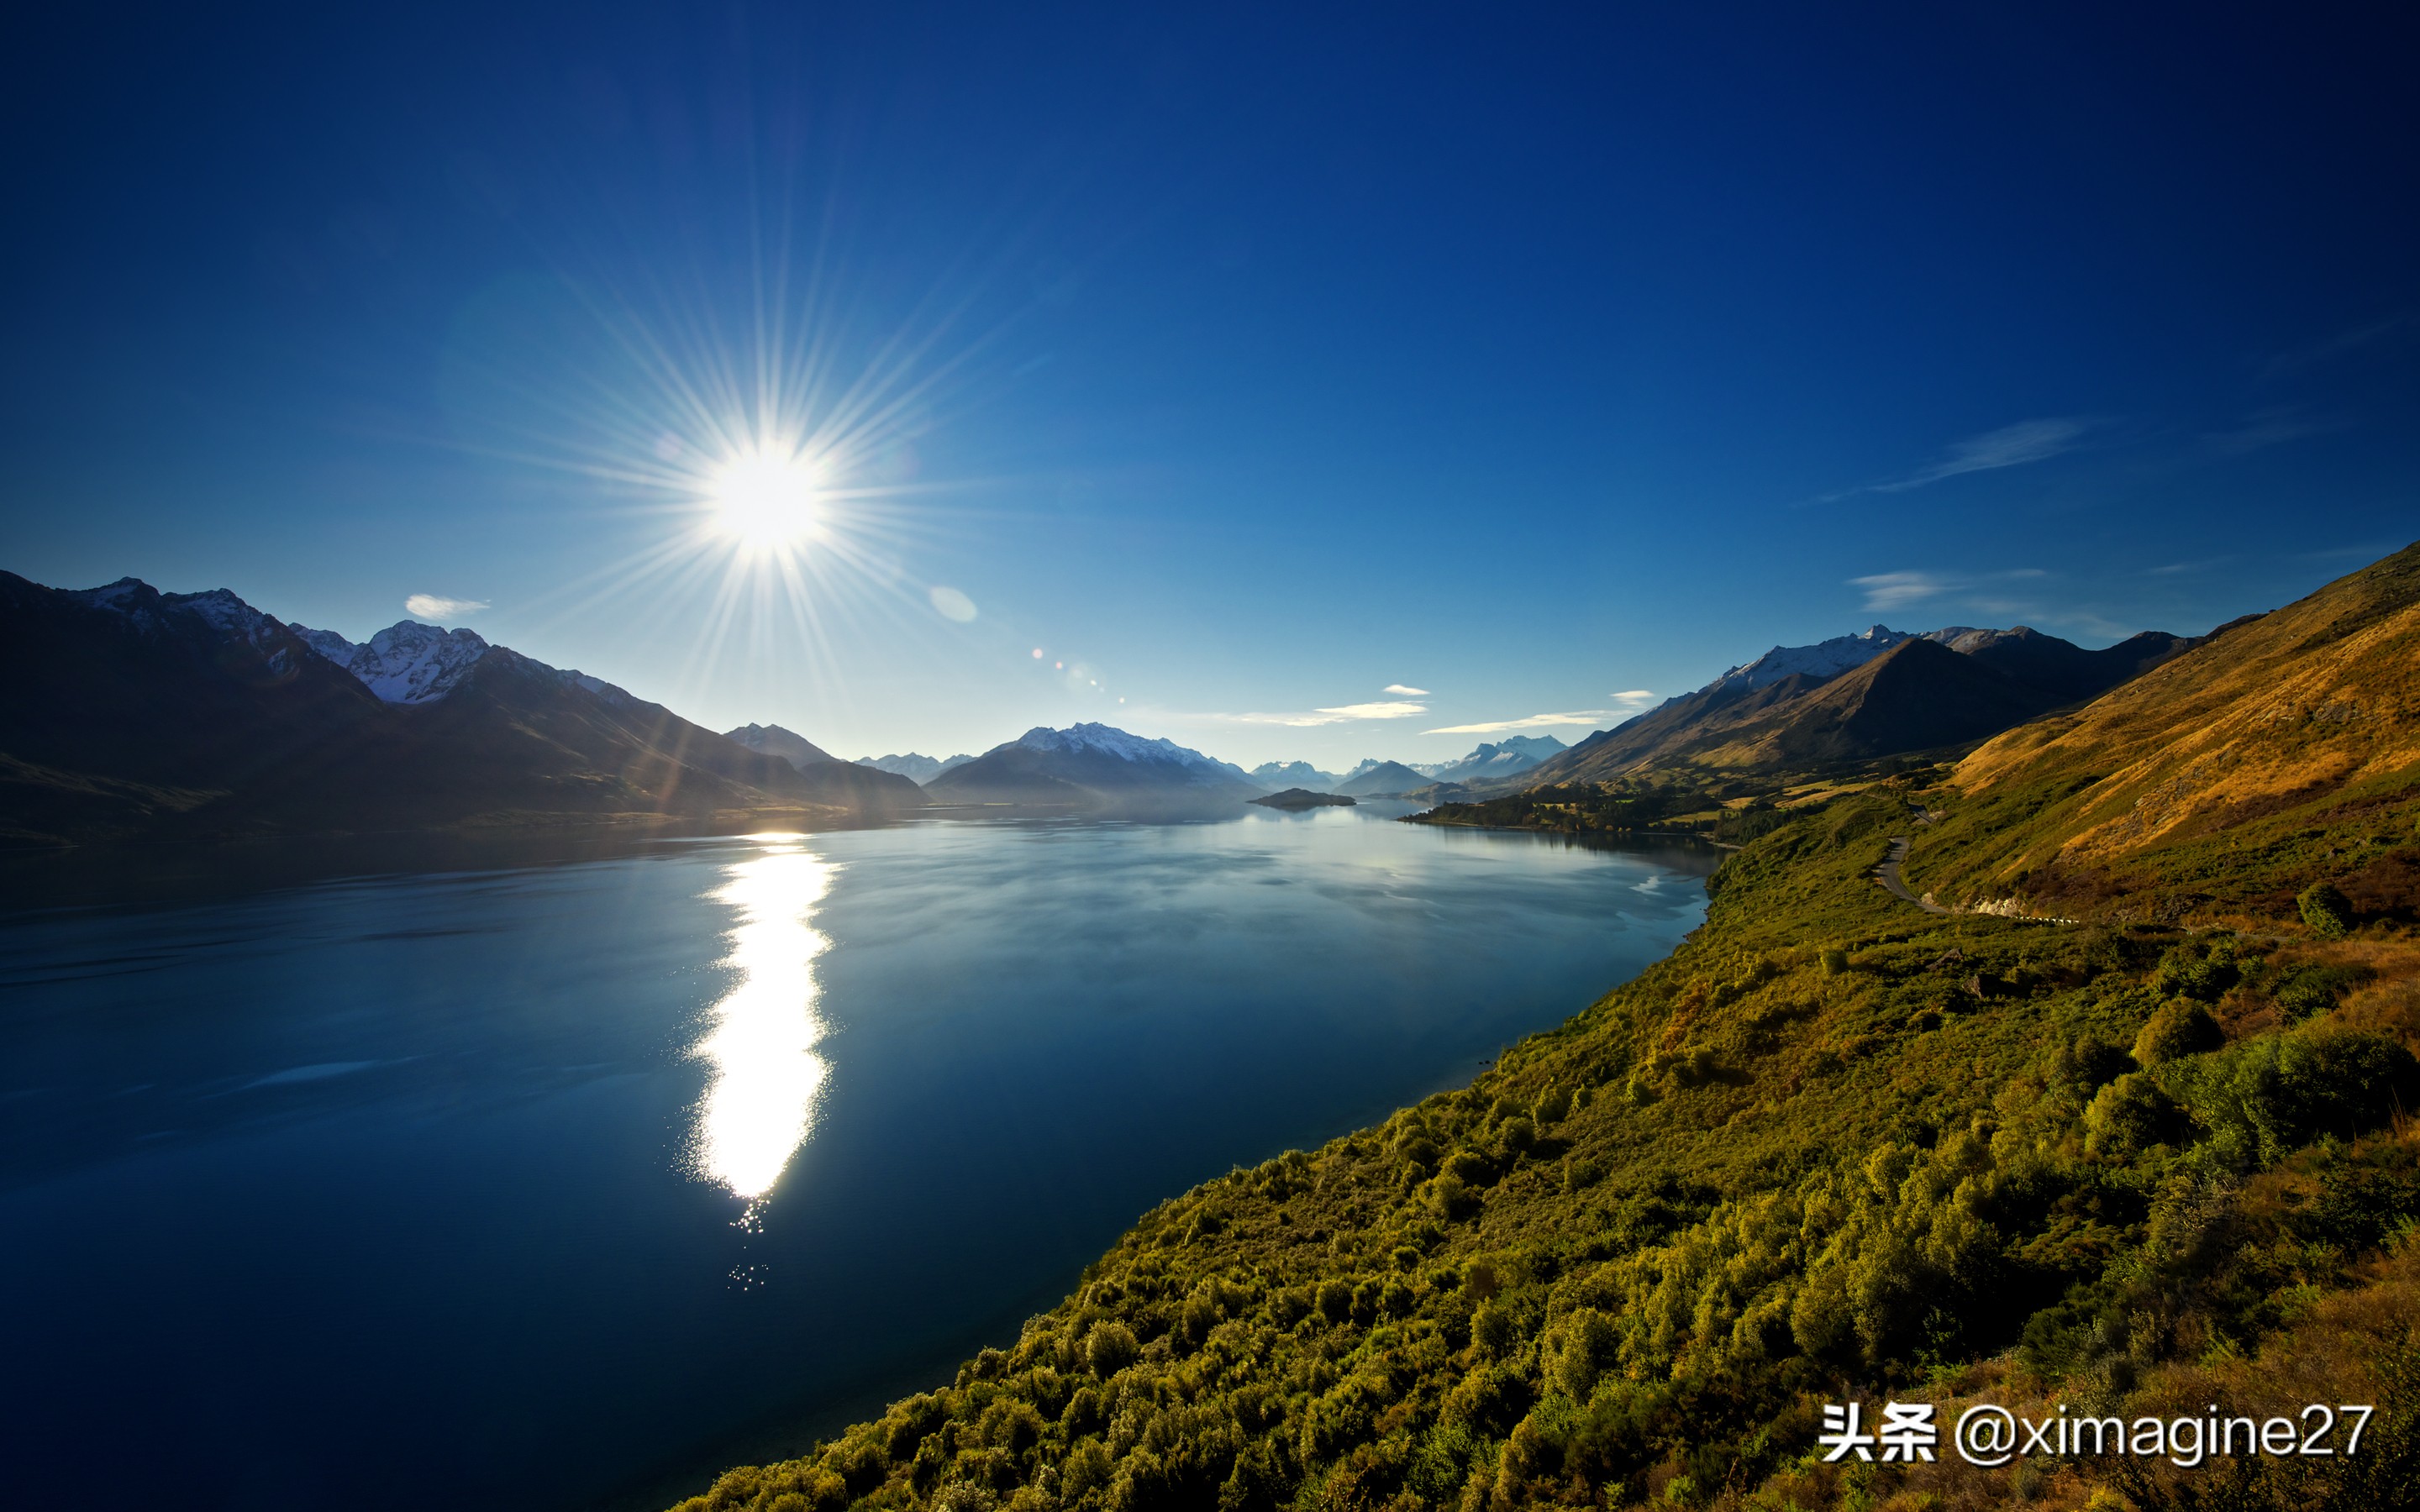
(2217, 787)
(1832, 1148)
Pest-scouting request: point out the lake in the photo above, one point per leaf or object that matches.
(562, 1184)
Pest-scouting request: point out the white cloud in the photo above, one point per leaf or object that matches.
(1407, 692)
(1341, 714)
(951, 604)
(436, 607)
(1897, 590)
(2027, 440)
(1535, 722)
(1633, 699)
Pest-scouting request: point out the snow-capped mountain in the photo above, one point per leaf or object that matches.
(408, 662)
(1276, 775)
(1824, 658)
(1077, 740)
(1502, 758)
(1087, 764)
(914, 766)
(218, 612)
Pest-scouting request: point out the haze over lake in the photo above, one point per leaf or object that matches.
(480, 1188)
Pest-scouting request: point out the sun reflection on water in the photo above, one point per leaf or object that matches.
(761, 1105)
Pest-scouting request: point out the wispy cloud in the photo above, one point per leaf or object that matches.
(436, 607)
(1535, 722)
(1897, 590)
(2027, 440)
(1341, 714)
(1407, 692)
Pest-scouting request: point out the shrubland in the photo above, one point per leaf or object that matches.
(1832, 1148)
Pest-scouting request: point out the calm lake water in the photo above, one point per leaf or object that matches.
(547, 1186)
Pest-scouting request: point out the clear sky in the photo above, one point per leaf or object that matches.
(1249, 364)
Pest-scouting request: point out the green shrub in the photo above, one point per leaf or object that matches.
(1835, 963)
(2198, 971)
(2326, 910)
(2314, 990)
(2177, 1029)
(1581, 1351)
(1449, 1199)
(2130, 1115)
(1492, 1329)
(1109, 1348)
(1520, 1136)
(2261, 1100)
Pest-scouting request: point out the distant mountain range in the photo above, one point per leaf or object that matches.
(1513, 753)
(126, 712)
(913, 766)
(1090, 765)
(1294, 774)
(1856, 698)
(1379, 779)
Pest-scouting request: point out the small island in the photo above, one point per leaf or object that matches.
(1304, 798)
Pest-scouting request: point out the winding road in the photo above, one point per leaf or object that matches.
(1887, 875)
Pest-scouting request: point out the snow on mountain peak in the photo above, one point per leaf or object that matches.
(218, 607)
(408, 662)
(1110, 741)
(1825, 658)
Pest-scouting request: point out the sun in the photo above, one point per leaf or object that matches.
(766, 498)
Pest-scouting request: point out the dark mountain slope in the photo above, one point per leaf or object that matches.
(1922, 695)
(127, 712)
(1914, 696)
(2061, 668)
(1665, 731)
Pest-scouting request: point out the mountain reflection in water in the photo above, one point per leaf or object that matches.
(760, 1106)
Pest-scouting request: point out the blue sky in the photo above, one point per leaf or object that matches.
(1248, 364)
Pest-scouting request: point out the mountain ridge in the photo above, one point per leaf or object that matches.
(1887, 698)
(132, 714)
(1090, 765)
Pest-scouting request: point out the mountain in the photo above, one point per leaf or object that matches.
(789, 745)
(1377, 779)
(1513, 753)
(914, 767)
(2165, 792)
(1088, 766)
(127, 712)
(1895, 694)
(1823, 660)
(1294, 774)
(835, 781)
